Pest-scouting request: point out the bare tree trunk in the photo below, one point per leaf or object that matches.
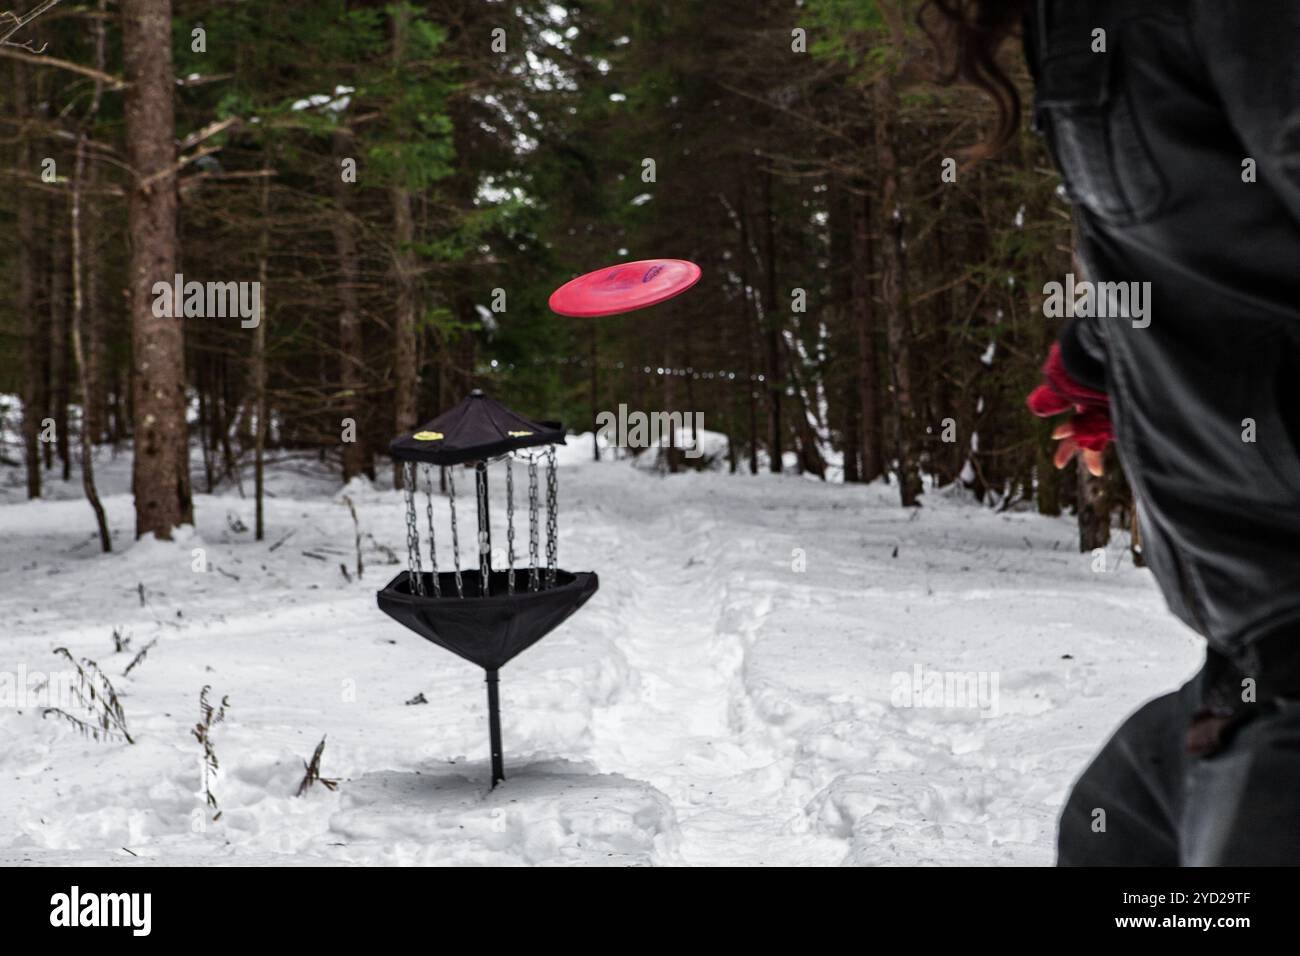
(78, 351)
(121, 398)
(669, 328)
(864, 321)
(259, 363)
(1094, 511)
(892, 288)
(26, 304)
(227, 417)
(845, 411)
(91, 364)
(405, 345)
(727, 397)
(1047, 491)
(750, 325)
(161, 475)
(352, 376)
(59, 347)
(809, 449)
(45, 275)
(94, 398)
(201, 376)
(771, 331)
(851, 437)
(1135, 537)
(78, 300)
(733, 463)
(944, 458)
(688, 370)
(594, 383)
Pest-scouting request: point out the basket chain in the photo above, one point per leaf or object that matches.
(484, 529)
(552, 507)
(412, 531)
(455, 534)
(510, 523)
(532, 523)
(428, 510)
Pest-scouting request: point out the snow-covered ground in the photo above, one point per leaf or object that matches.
(738, 692)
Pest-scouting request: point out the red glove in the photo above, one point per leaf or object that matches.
(1088, 430)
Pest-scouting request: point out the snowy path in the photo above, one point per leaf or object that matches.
(689, 729)
(712, 704)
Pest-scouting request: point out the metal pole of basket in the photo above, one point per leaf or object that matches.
(494, 728)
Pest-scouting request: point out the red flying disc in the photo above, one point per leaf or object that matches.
(624, 287)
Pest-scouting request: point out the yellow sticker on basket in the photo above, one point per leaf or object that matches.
(518, 434)
(427, 436)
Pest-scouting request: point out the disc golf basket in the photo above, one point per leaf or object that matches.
(485, 615)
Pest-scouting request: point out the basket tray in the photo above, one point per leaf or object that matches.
(488, 631)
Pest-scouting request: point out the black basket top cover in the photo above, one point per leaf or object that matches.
(486, 630)
(477, 428)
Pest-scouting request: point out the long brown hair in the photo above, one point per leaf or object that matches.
(968, 35)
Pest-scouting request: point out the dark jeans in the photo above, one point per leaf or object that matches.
(1166, 806)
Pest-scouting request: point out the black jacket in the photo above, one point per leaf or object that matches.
(1152, 138)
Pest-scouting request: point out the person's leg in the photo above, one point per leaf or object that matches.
(1242, 805)
(1124, 809)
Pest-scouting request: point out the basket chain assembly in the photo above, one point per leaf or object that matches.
(410, 471)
